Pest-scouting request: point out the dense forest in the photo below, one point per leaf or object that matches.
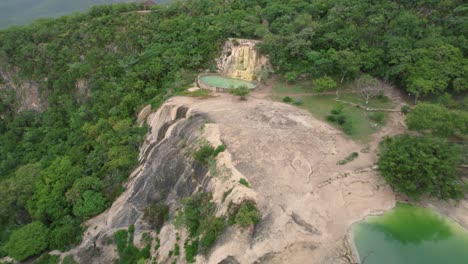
(66, 164)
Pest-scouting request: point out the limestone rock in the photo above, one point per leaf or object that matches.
(240, 59)
(143, 114)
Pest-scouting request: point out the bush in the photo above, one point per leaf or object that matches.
(405, 109)
(287, 99)
(244, 182)
(213, 228)
(27, 241)
(421, 165)
(378, 117)
(323, 84)
(349, 158)
(242, 92)
(47, 259)
(291, 76)
(191, 250)
(207, 152)
(156, 215)
(247, 214)
(298, 101)
(68, 260)
(348, 127)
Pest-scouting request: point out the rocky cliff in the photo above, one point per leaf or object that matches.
(240, 59)
(307, 203)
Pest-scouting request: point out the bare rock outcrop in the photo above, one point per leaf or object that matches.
(28, 94)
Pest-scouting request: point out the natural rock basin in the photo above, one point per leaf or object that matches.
(215, 80)
(410, 235)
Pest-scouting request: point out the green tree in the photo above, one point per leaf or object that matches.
(27, 241)
(91, 203)
(324, 83)
(437, 120)
(418, 166)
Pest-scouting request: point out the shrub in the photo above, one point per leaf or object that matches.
(213, 229)
(378, 117)
(298, 101)
(191, 250)
(244, 182)
(247, 214)
(128, 252)
(68, 260)
(338, 109)
(207, 152)
(47, 259)
(348, 127)
(324, 83)
(241, 91)
(331, 118)
(405, 109)
(226, 194)
(349, 158)
(27, 241)
(421, 165)
(291, 76)
(156, 215)
(287, 99)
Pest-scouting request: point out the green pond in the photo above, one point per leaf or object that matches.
(410, 235)
(224, 82)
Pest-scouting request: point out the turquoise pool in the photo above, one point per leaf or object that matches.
(411, 235)
(216, 80)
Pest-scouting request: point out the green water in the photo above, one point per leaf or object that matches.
(411, 235)
(224, 82)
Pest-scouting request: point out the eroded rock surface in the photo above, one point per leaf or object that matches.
(288, 157)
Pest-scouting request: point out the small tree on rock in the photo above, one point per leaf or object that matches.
(241, 91)
(368, 87)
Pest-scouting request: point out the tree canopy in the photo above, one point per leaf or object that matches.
(419, 166)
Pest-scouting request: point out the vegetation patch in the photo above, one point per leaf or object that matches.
(156, 215)
(226, 194)
(198, 217)
(242, 92)
(245, 214)
(339, 118)
(244, 182)
(128, 252)
(348, 159)
(415, 165)
(202, 93)
(207, 152)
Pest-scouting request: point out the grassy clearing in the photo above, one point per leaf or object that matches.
(299, 87)
(378, 102)
(363, 126)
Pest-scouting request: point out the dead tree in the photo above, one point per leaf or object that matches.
(368, 87)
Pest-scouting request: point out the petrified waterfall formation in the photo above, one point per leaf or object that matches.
(240, 59)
